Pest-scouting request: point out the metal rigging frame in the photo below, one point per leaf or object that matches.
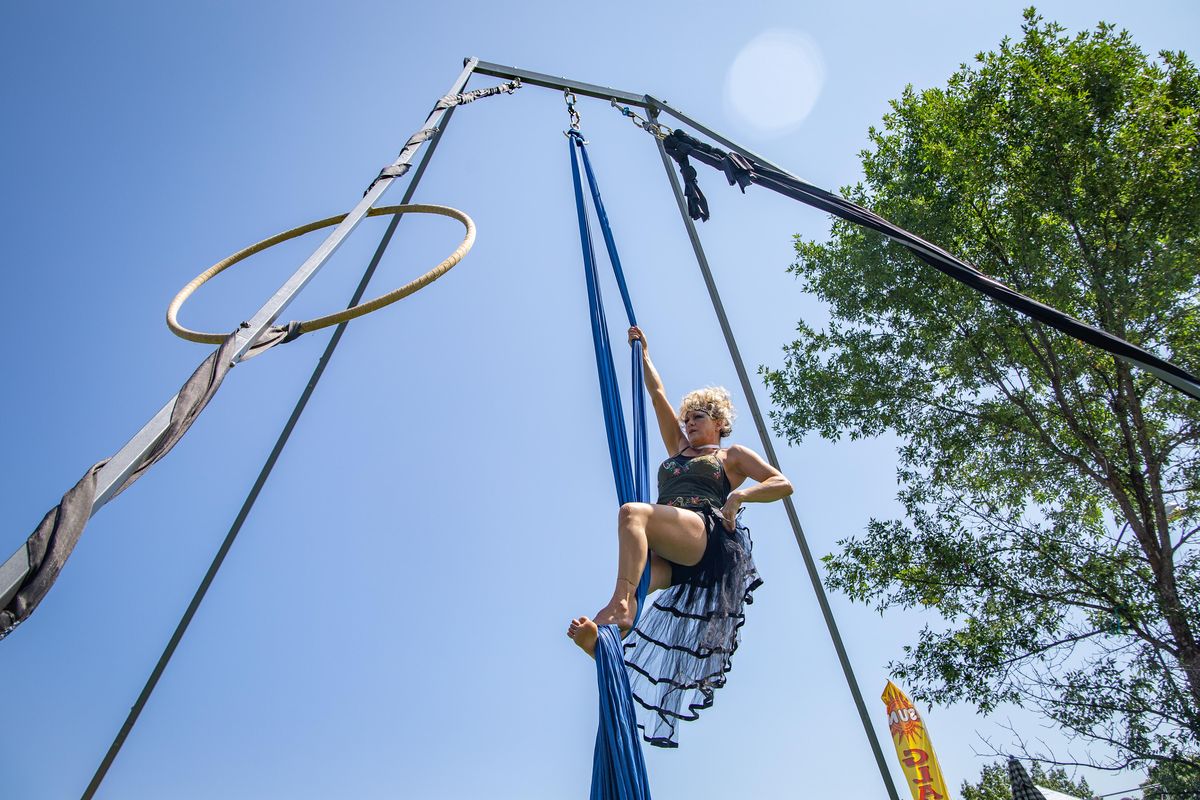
(120, 466)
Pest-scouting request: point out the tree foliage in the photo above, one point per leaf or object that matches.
(1051, 493)
(994, 783)
(1173, 781)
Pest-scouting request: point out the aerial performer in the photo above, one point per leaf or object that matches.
(700, 556)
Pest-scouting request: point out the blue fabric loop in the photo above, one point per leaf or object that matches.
(618, 769)
(632, 485)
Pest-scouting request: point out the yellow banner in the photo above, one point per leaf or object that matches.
(913, 747)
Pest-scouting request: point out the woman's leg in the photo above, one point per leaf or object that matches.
(675, 534)
(660, 573)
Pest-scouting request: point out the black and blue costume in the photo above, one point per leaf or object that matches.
(680, 650)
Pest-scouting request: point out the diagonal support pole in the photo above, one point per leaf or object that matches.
(119, 467)
(654, 106)
(764, 435)
(113, 475)
(198, 597)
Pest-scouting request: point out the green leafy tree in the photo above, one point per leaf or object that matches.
(1173, 781)
(994, 784)
(1051, 492)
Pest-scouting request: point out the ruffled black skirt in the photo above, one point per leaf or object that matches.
(681, 649)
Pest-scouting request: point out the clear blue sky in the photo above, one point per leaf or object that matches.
(391, 621)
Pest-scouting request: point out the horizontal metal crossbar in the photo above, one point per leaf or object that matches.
(598, 92)
(558, 82)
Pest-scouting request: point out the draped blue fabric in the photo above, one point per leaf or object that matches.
(618, 770)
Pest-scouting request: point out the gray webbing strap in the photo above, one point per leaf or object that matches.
(466, 97)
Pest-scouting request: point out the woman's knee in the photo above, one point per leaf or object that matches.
(631, 513)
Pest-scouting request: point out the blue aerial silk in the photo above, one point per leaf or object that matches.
(618, 769)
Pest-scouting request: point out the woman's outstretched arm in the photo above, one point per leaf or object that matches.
(668, 423)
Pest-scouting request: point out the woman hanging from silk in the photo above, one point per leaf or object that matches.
(699, 556)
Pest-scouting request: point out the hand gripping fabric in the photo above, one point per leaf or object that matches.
(618, 769)
(359, 310)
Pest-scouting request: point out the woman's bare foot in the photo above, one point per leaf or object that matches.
(619, 612)
(584, 633)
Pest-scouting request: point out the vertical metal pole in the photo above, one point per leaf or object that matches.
(136, 710)
(764, 434)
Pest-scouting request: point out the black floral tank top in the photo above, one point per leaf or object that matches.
(693, 481)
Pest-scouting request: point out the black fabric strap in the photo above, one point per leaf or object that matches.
(742, 171)
(51, 544)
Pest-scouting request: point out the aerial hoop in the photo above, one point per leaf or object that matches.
(342, 316)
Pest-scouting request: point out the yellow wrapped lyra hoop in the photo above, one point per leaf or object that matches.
(341, 316)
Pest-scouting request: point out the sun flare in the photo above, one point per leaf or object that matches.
(774, 82)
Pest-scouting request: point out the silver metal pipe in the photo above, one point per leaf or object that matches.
(120, 466)
(764, 435)
(12, 574)
(201, 591)
(557, 82)
(118, 469)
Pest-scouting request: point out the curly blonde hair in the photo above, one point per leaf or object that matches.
(712, 400)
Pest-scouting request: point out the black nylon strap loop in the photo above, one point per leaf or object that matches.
(742, 171)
